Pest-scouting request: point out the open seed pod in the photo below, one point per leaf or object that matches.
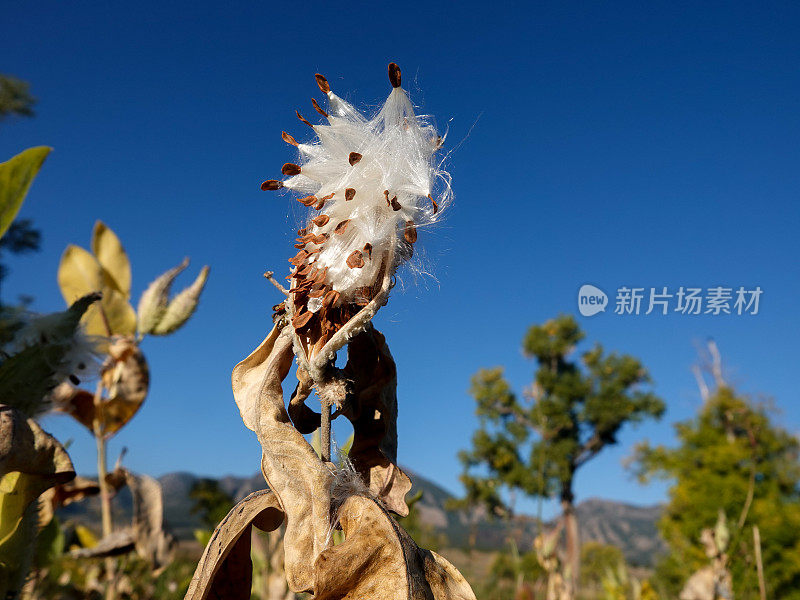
(368, 184)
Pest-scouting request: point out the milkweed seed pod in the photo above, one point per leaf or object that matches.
(370, 184)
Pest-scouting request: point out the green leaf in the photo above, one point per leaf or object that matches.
(16, 176)
(116, 268)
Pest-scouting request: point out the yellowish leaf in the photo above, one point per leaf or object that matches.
(79, 274)
(16, 176)
(112, 258)
(113, 315)
(85, 536)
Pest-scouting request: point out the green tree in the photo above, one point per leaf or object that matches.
(15, 97)
(537, 443)
(210, 502)
(730, 457)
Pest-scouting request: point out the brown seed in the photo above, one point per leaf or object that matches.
(279, 307)
(410, 232)
(288, 139)
(321, 220)
(355, 260)
(394, 75)
(301, 319)
(318, 108)
(290, 169)
(386, 193)
(299, 116)
(435, 206)
(299, 258)
(320, 239)
(395, 204)
(271, 185)
(368, 249)
(349, 194)
(307, 201)
(319, 204)
(322, 83)
(354, 158)
(300, 245)
(329, 196)
(316, 293)
(341, 227)
(304, 271)
(331, 298)
(302, 231)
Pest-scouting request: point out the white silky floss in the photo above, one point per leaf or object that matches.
(396, 151)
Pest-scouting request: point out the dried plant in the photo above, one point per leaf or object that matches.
(376, 177)
(124, 380)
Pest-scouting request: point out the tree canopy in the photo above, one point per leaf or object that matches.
(730, 457)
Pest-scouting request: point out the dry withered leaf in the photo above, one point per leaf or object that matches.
(152, 542)
(225, 569)
(355, 260)
(354, 158)
(378, 559)
(349, 193)
(373, 412)
(289, 464)
(126, 380)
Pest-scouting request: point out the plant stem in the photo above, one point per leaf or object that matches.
(105, 495)
(325, 431)
(762, 588)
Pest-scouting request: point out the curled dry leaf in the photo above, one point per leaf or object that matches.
(289, 464)
(151, 540)
(378, 559)
(127, 379)
(225, 569)
(373, 412)
(31, 462)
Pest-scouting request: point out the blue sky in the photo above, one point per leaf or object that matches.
(631, 144)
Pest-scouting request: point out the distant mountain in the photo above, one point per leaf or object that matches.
(629, 527)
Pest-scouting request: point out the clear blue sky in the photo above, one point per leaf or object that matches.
(639, 144)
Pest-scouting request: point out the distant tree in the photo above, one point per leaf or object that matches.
(731, 457)
(210, 502)
(20, 238)
(15, 97)
(537, 444)
(596, 560)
